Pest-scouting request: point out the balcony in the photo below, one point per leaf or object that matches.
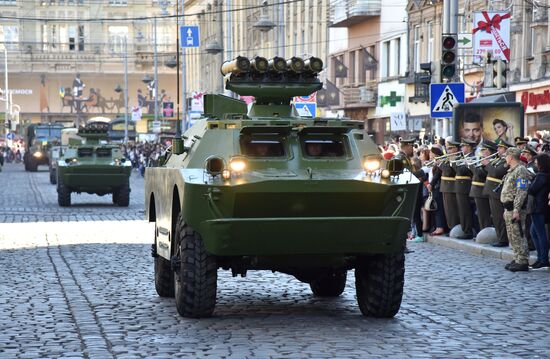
(361, 96)
(346, 13)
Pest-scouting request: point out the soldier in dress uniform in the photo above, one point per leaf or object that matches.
(513, 198)
(529, 154)
(407, 148)
(463, 182)
(520, 142)
(448, 186)
(478, 182)
(496, 169)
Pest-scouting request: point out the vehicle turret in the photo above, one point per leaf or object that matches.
(273, 82)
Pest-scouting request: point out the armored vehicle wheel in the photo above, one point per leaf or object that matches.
(195, 274)
(330, 284)
(33, 166)
(379, 284)
(123, 195)
(164, 275)
(63, 194)
(53, 176)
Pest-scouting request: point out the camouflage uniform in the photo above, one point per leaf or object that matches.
(513, 197)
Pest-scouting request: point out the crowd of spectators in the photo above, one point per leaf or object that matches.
(533, 154)
(143, 154)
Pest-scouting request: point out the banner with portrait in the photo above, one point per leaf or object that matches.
(493, 121)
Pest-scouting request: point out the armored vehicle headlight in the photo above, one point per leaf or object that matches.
(214, 165)
(372, 163)
(237, 164)
(37, 154)
(71, 161)
(397, 164)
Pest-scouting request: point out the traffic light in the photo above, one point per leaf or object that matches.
(431, 73)
(499, 74)
(449, 45)
(426, 77)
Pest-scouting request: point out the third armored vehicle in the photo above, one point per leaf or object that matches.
(261, 188)
(38, 140)
(93, 168)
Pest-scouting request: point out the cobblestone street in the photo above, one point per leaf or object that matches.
(78, 282)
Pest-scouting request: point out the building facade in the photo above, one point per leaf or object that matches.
(72, 67)
(265, 28)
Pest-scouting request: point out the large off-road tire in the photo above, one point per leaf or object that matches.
(330, 284)
(123, 195)
(379, 282)
(164, 276)
(195, 274)
(53, 176)
(32, 165)
(63, 194)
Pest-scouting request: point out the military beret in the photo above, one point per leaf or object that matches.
(503, 143)
(528, 148)
(467, 142)
(513, 151)
(409, 141)
(520, 140)
(488, 144)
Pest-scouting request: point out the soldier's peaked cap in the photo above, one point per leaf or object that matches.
(520, 140)
(467, 142)
(408, 141)
(503, 143)
(513, 151)
(452, 143)
(528, 148)
(488, 144)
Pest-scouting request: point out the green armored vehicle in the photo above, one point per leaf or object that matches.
(39, 138)
(93, 167)
(264, 189)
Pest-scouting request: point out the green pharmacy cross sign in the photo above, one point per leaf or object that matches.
(391, 100)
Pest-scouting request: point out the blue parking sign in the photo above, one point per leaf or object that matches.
(189, 36)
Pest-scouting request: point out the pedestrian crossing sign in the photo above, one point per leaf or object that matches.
(444, 98)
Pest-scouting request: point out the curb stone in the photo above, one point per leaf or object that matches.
(484, 250)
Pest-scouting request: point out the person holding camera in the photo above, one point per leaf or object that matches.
(513, 197)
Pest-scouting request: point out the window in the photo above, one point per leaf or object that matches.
(351, 70)
(117, 38)
(118, 2)
(385, 60)
(430, 54)
(533, 41)
(323, 147)
(416, 49)
(8, 2)
(9, 34)
(398, 58)
(262, 147)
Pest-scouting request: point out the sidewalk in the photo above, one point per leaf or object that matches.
(485, 250)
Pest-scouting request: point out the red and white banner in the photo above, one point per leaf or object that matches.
(491, 34)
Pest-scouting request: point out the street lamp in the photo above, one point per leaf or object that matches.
(6, 88)
(119, 89)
